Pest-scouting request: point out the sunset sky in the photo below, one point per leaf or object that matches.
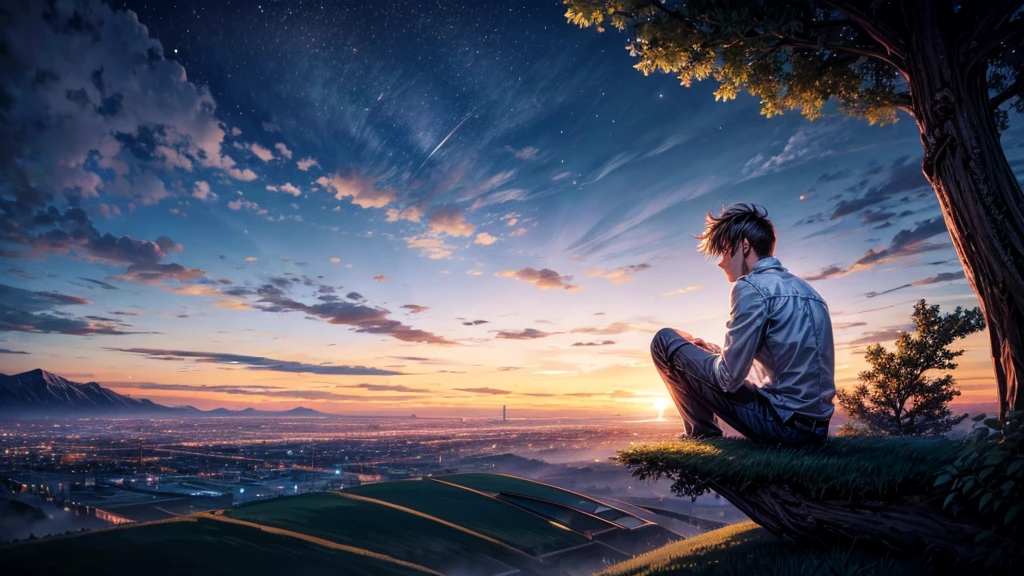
(430, 208)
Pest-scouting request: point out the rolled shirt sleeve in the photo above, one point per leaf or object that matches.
(744, 330)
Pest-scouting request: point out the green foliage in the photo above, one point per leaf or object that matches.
(790, 55)
(845, 468)
(746, 548)
(985, 481)
(894, 396)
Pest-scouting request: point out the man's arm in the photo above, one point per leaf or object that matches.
(742, 338)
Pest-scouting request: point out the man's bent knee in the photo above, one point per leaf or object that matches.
(661, 341)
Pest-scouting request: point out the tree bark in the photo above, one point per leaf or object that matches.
(908, 525)
(980, 197)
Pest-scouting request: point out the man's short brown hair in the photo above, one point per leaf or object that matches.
(724, 233)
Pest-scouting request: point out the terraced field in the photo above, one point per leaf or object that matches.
(476, 512)
(412, 527)
(386, 530)
(190, 546)
(503, 483)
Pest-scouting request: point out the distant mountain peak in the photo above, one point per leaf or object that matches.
(41, 393)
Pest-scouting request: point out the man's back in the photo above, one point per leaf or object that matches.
(795, 346)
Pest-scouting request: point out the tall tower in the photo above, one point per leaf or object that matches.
(502, 412)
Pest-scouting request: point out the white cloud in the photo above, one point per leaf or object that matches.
(362, 190)
(286, 188)
(306, 163)
(271, 127)
(202, 192)
(485, 239)
(283, 150)
(450, 220)
(105, 77)
(261, 152)
(412, 214)
(430, 246)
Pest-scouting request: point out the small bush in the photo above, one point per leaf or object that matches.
(985, 480)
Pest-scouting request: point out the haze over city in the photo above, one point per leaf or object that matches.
(287, 204)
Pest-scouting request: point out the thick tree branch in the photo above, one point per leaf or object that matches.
(883, 32)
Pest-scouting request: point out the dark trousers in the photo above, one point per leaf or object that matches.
(702, 403)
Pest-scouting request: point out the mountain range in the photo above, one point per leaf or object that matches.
(38, 393)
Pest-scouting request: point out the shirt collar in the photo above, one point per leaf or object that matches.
(769, 263)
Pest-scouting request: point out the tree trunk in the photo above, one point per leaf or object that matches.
(908, 525)
(980, 197)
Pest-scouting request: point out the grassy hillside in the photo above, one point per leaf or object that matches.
(476, 512)
(384, 529)
(746, 548)
(191, 546)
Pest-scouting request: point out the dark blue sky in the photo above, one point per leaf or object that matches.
(445, 205)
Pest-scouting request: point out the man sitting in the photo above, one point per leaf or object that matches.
(773, 380)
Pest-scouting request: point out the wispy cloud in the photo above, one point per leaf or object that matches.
(943, 277)
(620, 275)
(255, 362)
(905, 243)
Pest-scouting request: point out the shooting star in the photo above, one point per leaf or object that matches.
(445, 139)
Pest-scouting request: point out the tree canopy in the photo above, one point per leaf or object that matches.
(895, 396)
(798, 55)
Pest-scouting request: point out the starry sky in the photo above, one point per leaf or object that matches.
(436, 208)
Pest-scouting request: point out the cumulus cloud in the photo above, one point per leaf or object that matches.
(202, 192)
(283, 150)
(545, 279)
(255, 362)
(27, 223)
(286, 188)
(306, 163)
(95, 106)
(485, 239)
(450, 220)
(261, 152)
(620, 275)
(411, 214)
(362, 190)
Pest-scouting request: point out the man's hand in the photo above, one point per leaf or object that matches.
(713, 348)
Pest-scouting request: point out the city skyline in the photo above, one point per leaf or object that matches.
(290, 204)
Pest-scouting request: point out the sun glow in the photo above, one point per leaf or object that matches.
(660, 404)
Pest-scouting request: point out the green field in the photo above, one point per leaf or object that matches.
(479, 513)
(204, 546)
(382, 529)
(502, 483)
(748, 549)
